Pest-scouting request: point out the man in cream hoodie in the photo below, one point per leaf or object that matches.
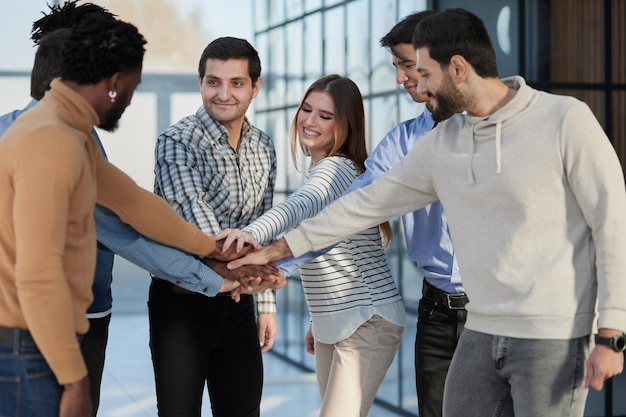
(535, 199)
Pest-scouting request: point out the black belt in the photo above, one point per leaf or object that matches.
(450, 301)
(20, 337)
(16, 337)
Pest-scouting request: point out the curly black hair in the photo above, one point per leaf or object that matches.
(99, 47)
(64, 16)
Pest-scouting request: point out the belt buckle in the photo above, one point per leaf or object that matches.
(449, 302)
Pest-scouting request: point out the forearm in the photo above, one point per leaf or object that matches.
(326, 182)
(165, 262)
(387, 197)
(288, 264)
(597, 182)
(149, 214)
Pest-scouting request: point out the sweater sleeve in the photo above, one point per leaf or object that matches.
(46, 174)
(404, 188)
(595, 176)
(147, 213)
(325, 183)
(166, 262)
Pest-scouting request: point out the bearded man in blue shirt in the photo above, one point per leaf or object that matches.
(441, 311)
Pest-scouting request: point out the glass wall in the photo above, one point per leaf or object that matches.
(576, 47)
(564, 46)
(310, 38)
(303, 41)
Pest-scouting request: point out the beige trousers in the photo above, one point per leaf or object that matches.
(350, 371)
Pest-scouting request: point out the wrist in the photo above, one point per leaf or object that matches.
(616, 342)
(80, 384)
(606, 332)
(279, 250)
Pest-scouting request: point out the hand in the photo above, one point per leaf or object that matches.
(272, 252)
(231, 286)
(258, 286)
(229, 254)
(75, 400)
(309, 343)
(267, 331)
(251, 279)
(603, 363)
(232, 235)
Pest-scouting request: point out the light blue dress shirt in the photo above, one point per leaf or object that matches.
(426, 231)
(174, 265)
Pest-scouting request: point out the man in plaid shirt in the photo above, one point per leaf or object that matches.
(218, 171)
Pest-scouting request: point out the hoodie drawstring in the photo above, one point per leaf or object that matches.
(498, 147)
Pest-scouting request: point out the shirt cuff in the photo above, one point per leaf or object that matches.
(266, 302)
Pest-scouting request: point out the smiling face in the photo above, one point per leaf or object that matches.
(404, 59)
(316, 125)
(444, 97)
(227, 90)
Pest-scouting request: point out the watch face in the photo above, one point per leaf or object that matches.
(619, 343)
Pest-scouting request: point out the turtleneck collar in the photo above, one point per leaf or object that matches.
(79, 113)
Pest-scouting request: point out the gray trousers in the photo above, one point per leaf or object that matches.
(497, 376)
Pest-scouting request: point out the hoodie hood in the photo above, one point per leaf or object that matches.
(482, 129)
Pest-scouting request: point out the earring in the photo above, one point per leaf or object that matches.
(112, 95)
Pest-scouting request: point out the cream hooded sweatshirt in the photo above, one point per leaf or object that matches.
(535, 199)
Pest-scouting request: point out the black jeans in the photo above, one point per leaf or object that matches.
(193, 339)
(438, 332)
(93, 346)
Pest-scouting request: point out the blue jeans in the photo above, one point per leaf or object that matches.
(498, 376)
(195, 340)
(28, 388)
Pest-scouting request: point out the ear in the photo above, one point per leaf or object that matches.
(257, 86)
(459, 68)
(200, 81)
(115, 82)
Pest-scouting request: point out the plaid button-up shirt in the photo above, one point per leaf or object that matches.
(210, 184)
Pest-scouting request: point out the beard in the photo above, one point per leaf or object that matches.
(449, 100)
(112, 116)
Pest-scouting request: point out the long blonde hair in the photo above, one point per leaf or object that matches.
(349, 132)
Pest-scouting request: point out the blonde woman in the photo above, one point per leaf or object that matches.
(357, 315)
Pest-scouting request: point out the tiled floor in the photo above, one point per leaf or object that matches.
(128, 384)
(128, 380)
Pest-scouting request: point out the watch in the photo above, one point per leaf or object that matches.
(617, 343)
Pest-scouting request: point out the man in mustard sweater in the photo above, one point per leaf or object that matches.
(51, 174)
(534, 196)
(114, 236)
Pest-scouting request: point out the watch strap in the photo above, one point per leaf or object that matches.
(617, 343)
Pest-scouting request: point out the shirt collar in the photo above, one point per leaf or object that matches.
(216, 130)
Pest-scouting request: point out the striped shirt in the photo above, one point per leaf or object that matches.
(348, 284)
(210, 184)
